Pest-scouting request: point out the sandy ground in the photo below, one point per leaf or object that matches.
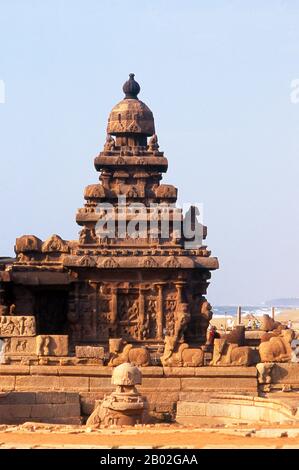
(36, 436)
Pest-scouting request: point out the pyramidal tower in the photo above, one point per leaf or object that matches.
(134, 273)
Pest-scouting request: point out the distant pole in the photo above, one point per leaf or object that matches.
(239, 315)
(273, 312)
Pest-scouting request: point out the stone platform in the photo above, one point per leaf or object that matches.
(234, 408)
(53, 407)
(161, 386)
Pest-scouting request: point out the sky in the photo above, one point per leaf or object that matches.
(217, 76)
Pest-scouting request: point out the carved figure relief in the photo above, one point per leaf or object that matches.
(55, 244)
(17, 326)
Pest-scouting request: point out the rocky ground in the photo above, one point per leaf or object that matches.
(239, 435)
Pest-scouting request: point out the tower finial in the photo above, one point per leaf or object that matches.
(131, 88)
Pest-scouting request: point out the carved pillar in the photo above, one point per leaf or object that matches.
(179, 287)
(94, 307)
(113, 317)
(160, 312)
(141, 315)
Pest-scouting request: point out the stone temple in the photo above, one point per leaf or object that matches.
(131, 292)
(97, 288)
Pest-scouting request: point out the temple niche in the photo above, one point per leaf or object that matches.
(97, 288)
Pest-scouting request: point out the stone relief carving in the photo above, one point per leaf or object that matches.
(110, 263)
(87, 261)
(55, 244)
(17, 326)
(88, 235)
(153, 143)
(149, 262)
(172, 262)
(109, 144)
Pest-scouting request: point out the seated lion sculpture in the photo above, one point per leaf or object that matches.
(277, 348)
(127, 353)
(180, 355)
(227, 354)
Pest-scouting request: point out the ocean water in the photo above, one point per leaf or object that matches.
(222, 311)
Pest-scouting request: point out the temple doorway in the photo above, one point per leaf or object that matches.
(51, 311)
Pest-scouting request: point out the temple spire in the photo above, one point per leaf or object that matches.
(131, 88)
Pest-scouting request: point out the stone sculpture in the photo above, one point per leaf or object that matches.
(121, 352)
(125, 406)
(277, 348)
(267, 323)
(180, 355)
(17, 325)
(77, 293)
(264, 370)
(227, 354)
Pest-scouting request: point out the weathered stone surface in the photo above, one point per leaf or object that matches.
(7, 382)
(191, 409)
(285, 374)
(85, 370)
(73, 383)
(162, 384)
(125, 406)
(90, 351)
(43, 370)
(41, 345)
(14, 369)
(215, 383)
(51, 397)
(179, 371)
(231, 371)
(37, 382)
(100, 383)
(17, 326)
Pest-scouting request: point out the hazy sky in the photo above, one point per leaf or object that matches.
(217, 75)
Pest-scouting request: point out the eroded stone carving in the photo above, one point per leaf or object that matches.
(121, 352)
(265, 370)
(125, 406)
(109, 144)
(226, 354)
(94, 352)
(153, 143)
(41, 345)
(28, 243)
(17, 326)
(55, 244)
(180, 355)
(277, 348)
(268, 324)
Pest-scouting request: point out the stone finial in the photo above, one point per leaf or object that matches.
(126, 374)
(131, 88)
